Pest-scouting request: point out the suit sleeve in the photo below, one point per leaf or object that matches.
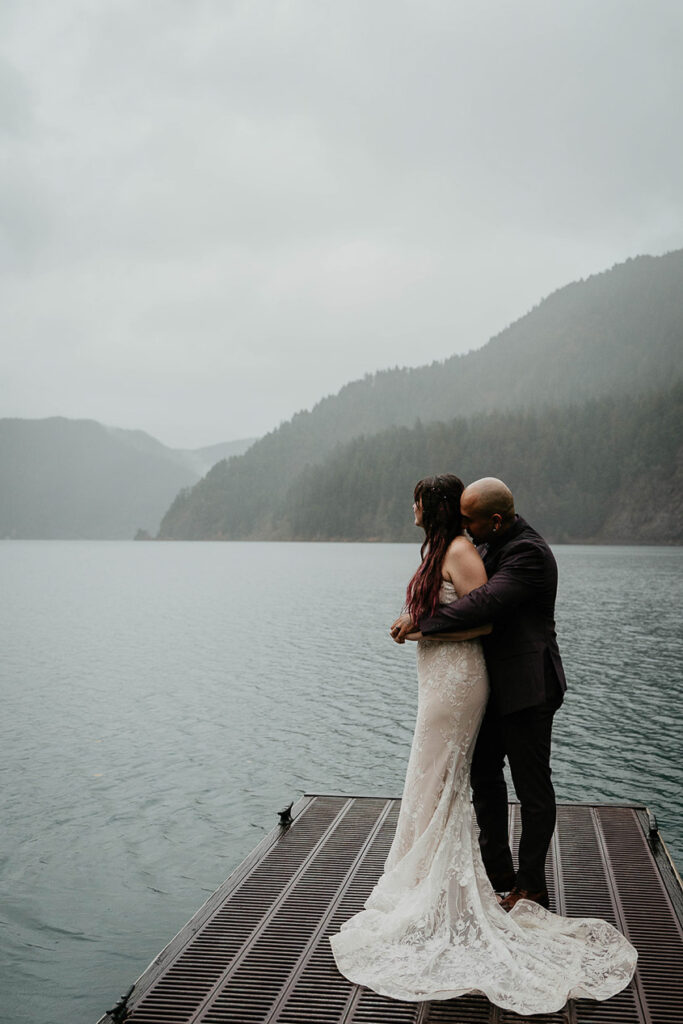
(520, 578)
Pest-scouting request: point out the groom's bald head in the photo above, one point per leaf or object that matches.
(491, 495)
(487, 507)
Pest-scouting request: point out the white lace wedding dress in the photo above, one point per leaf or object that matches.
(432, 927)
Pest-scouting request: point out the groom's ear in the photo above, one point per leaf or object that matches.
(496, 521)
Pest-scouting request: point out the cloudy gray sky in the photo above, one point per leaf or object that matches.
(215, 212)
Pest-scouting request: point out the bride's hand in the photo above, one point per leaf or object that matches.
(401, 627)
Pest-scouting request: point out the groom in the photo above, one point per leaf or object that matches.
(527, 684)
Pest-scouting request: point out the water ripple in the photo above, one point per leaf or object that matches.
(163, 701)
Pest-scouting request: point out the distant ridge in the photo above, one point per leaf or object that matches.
(618, 333)
(202, 459)
(198, 460)
(78, 479)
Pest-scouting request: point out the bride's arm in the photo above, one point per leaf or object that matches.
(465, 570)
(463, 567)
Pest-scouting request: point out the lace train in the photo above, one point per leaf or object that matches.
(432, 927)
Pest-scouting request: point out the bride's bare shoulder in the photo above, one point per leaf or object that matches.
(461, 548)
(462, 541)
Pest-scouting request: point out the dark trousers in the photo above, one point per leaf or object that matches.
(524, 738)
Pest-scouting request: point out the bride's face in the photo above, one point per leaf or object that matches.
(417, 512)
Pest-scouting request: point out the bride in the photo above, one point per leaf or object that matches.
(432, 927)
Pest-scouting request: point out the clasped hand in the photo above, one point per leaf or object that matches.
(403, 629)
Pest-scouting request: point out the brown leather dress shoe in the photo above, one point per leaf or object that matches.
(523, 894)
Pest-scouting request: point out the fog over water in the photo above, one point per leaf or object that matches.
(161, 702)
(216, 213)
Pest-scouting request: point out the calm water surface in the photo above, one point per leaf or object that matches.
(163, 701)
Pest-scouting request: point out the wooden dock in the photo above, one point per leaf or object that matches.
(258, 950)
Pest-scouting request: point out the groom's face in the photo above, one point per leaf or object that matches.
(478, 524)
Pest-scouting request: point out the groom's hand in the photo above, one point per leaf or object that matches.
(400, 629)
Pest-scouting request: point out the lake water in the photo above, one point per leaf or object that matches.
(163, 701)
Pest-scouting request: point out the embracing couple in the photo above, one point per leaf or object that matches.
(451, 915)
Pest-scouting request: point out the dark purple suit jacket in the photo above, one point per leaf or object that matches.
(522, 655)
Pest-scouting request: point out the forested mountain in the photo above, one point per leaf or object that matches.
(610, 470)
(79, 479)
(614, 334)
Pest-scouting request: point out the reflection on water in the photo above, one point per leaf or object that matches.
(163, 701)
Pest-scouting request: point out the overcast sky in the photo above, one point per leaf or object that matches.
(214, 213)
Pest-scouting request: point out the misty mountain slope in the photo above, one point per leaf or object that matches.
(202, 459)
(610, 469)
(615, 333)
(79, 479)
(198, 460)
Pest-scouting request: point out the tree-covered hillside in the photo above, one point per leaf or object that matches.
(616, 333)
(610, 469)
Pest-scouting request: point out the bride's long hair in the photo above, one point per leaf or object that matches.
(439, 498)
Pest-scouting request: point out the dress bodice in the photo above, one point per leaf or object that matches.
(447, 592)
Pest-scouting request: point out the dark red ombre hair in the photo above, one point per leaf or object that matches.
(439, 499)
